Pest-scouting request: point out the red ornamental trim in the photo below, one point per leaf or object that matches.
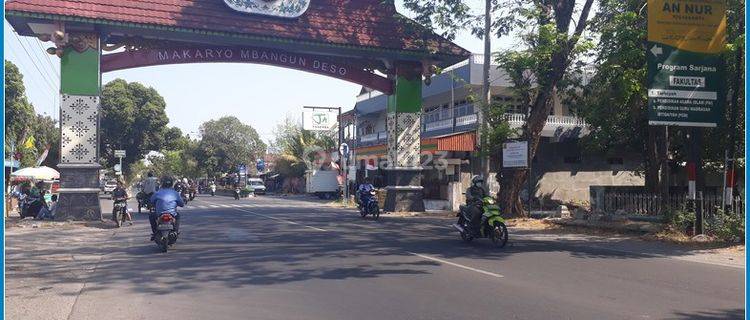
(311, 63)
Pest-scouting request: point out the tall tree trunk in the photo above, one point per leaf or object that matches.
(514, 181)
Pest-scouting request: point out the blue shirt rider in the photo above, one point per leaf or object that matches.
(165, 200)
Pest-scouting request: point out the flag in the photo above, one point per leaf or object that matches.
(29, 142)
(42, 157)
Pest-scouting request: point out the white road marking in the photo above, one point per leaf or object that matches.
(492, 274)
(282, 220)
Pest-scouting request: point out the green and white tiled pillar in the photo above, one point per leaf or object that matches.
(80, 83)
(404, 191)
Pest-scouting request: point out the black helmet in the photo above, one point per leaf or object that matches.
(150, 174)
(167, 182)
(477, 179)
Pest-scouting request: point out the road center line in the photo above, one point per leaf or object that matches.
(282, 220)
(272, 218)
(492, 274)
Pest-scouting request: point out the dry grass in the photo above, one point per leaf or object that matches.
(680, 238)
(531, 224)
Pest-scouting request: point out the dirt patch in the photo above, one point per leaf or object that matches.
(530, 224)
(676, 237)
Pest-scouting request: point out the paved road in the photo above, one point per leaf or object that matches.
(275, 258)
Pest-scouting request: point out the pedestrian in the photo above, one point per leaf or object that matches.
(49, 210)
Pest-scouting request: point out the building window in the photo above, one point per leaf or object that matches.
(369, 129)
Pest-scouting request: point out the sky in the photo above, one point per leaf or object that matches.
(261, 96)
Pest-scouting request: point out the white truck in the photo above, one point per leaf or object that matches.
(323, 183)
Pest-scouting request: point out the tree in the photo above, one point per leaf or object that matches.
(132, 119)
(47, 135)
(175, 140)
(298, 147)
(551, 48)
(24, 125)
(615, 101)
(19, 113)
(226, 143)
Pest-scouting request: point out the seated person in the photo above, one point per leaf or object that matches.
(48, 211)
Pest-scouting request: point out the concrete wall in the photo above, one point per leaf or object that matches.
(570, 187)
(563, 172)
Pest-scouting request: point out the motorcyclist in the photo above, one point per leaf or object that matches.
(120, 195)
(150, 185)
(474, 197)
(35, 198)
(213, 188)
(364, 191)
(165, 200)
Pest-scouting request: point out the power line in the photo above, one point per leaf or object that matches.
(34, 62)
(49, 76)
(55, 77)
(44, 74)
(33, 79)
(46, 56)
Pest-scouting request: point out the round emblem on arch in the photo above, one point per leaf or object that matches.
(274, 8)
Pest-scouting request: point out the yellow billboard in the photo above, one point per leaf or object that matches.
(692, 25)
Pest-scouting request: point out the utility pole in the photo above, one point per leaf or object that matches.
(486, 94)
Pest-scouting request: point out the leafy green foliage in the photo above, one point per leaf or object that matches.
(680, 219)
(132, 119)
(444, 16)
(22, 123)
(297, 147)
(226, 143)
(727, 227)
(19, 113)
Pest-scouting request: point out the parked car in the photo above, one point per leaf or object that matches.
(109, 186)
(256, 185)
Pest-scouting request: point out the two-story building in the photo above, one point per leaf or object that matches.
(561, 171)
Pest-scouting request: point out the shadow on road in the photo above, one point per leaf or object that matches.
(234, 249)
(711, 315)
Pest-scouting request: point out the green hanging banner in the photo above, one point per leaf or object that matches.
(686, 85)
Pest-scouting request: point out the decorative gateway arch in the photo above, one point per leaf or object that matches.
(361, 41)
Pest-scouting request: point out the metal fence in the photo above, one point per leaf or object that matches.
(651, 204)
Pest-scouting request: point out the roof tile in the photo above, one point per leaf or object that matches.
(367, 23)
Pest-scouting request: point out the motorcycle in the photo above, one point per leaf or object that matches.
(369, 205)
(120, 211)
(213, 191)
(166, 234)
(236, 193)
(191, 193)
(492, 224)
(30, 206)
(143, 201)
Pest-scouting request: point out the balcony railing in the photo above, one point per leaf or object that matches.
(437, 125)
(552, 120)
(369, 137)
(373, 138)
(466, 120)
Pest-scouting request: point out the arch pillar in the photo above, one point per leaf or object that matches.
(80, 83)
(404, 191)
